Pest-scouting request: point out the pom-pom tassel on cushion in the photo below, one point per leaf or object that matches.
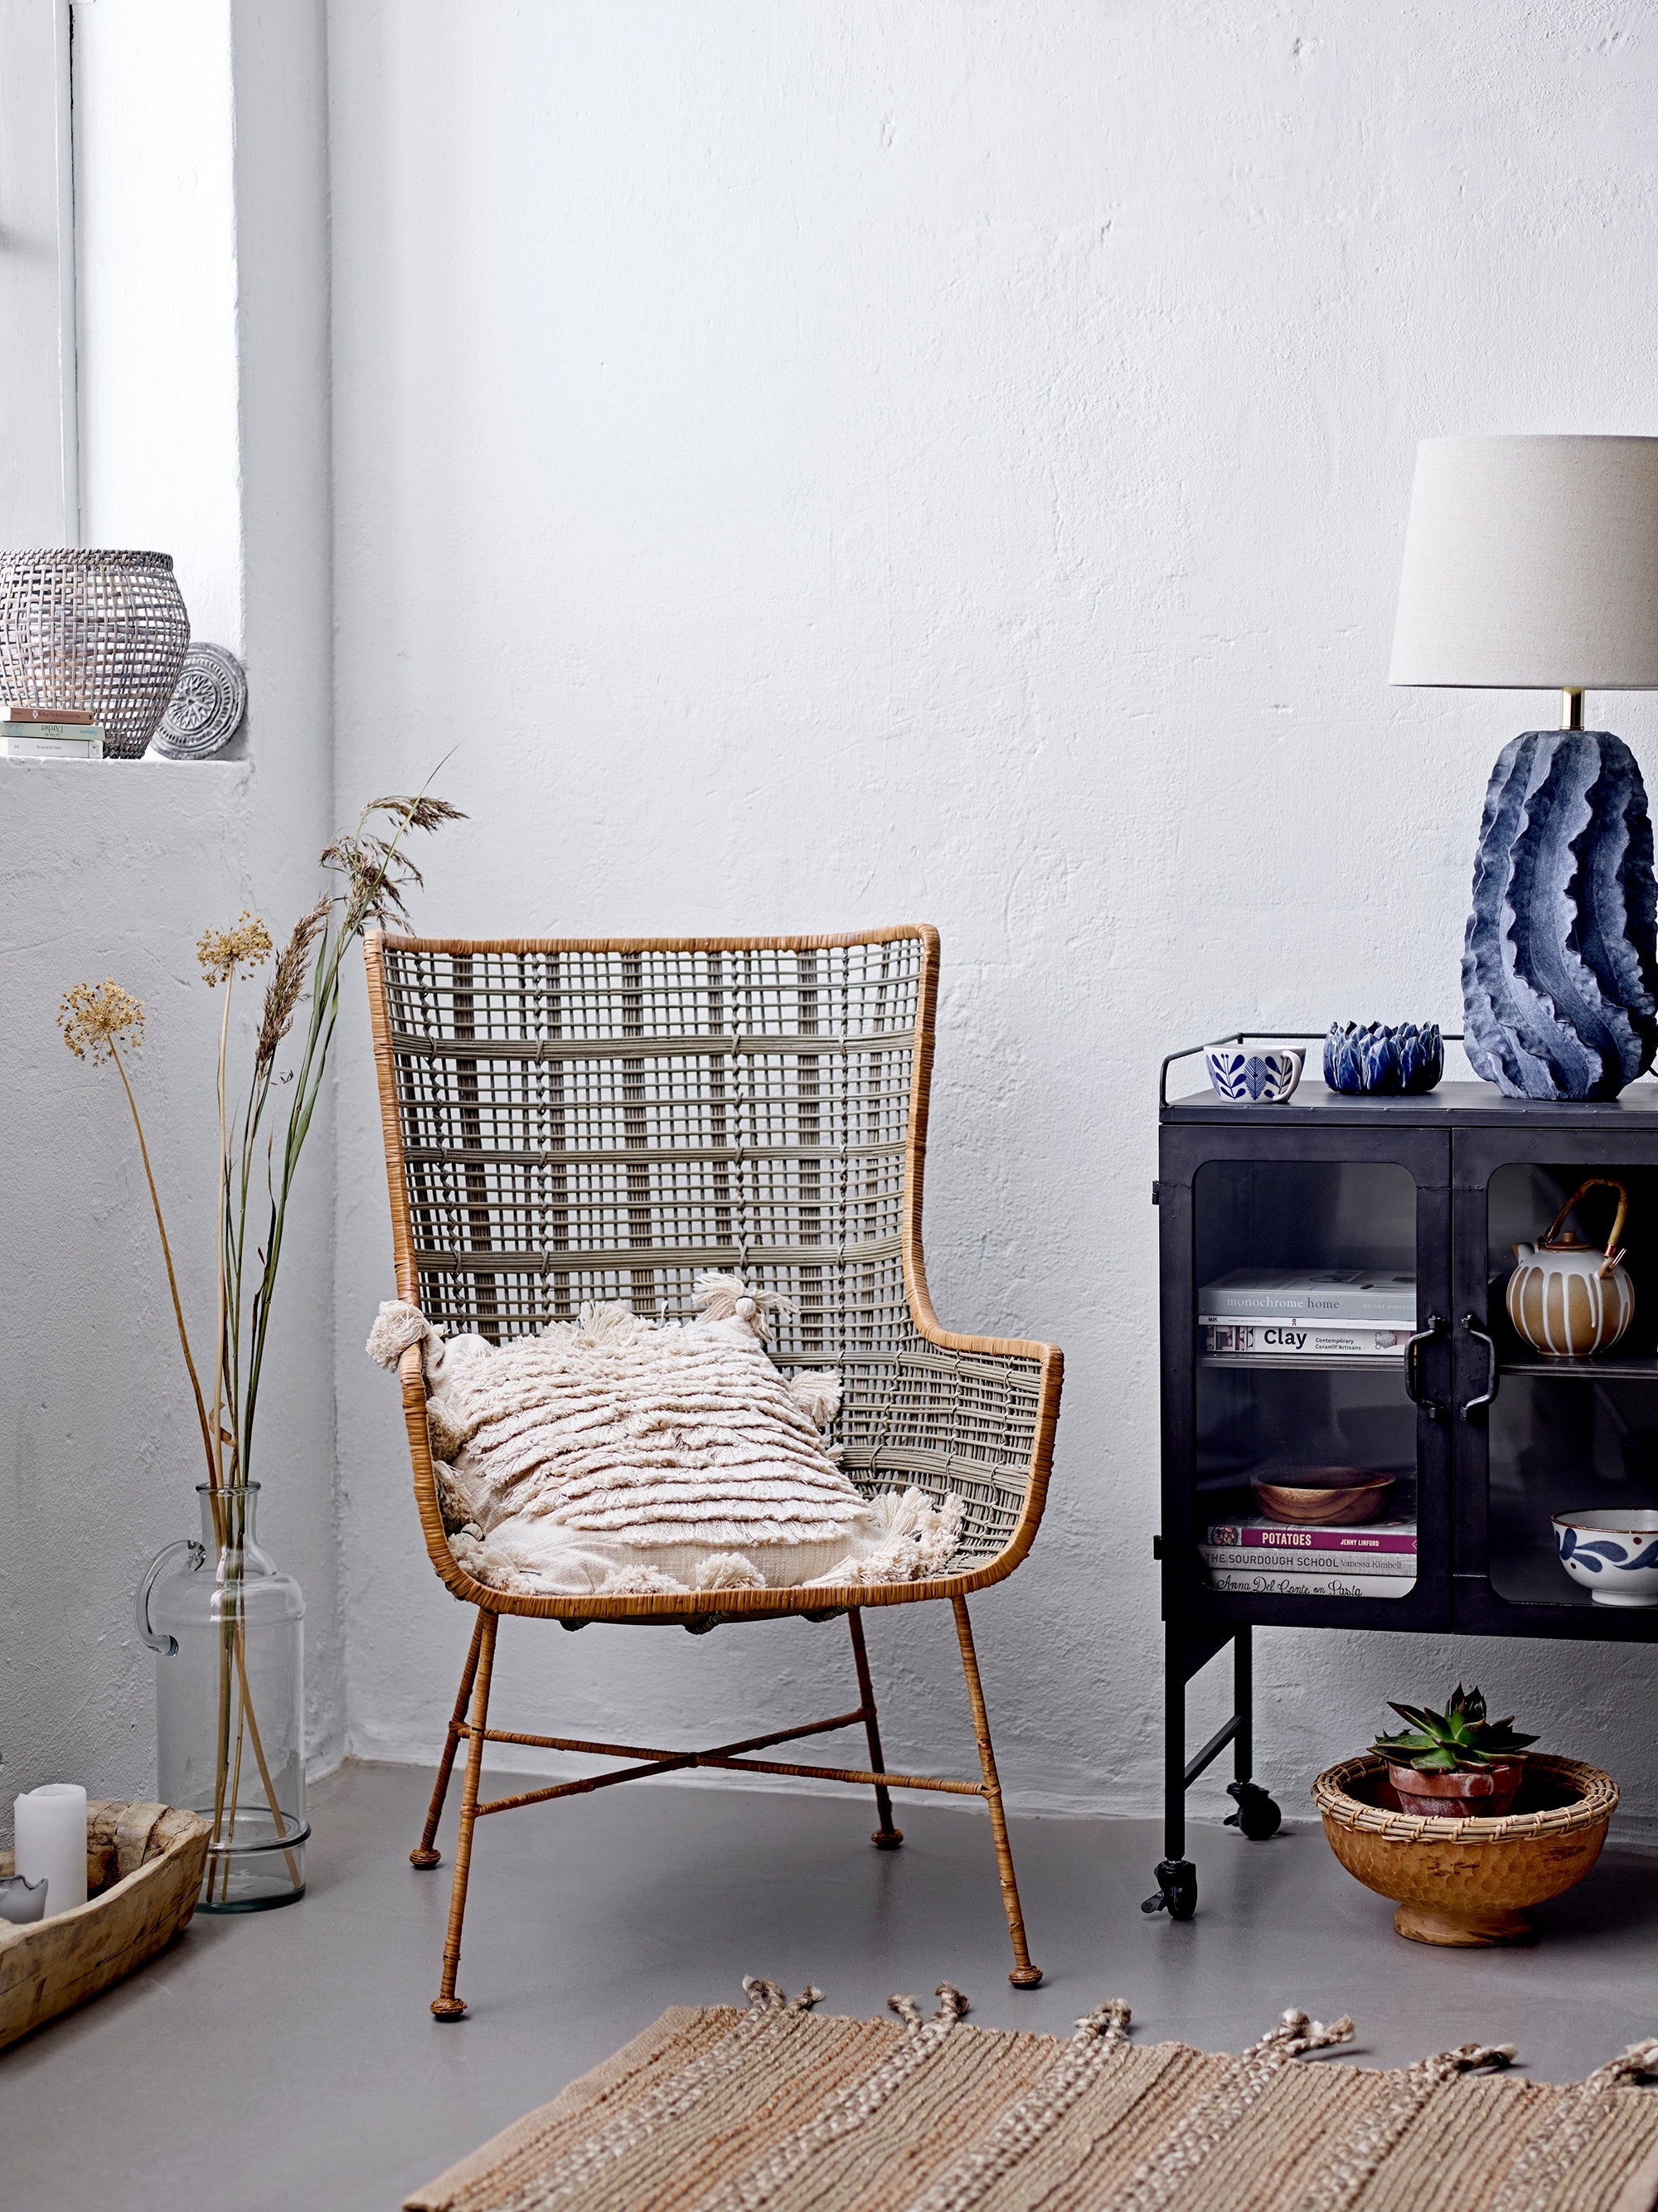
(396, 1326)
(817, 1393)
(728, 1297)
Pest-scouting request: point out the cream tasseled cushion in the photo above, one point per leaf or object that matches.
(615, 1455)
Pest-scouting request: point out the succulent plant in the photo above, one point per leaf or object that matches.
(1459, 1737)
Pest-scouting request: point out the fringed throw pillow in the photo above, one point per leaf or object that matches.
(615, 1455)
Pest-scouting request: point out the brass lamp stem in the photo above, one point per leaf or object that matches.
(1571, 710)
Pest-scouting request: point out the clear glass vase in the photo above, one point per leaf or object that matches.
(227, 1627)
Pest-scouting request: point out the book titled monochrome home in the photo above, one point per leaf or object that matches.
(1277, 1313)
(1281, 1295)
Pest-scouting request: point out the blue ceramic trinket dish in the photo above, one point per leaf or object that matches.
(1380, 1057)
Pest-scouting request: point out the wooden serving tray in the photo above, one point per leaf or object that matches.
(144, 1869)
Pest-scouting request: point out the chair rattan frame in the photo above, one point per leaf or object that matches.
(568, 1120)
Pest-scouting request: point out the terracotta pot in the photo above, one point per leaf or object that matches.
(1484, 1794)
(1472, 1883)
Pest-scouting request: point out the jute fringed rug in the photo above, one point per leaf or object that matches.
(771, 2110)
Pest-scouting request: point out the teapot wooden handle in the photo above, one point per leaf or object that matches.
(1594, 1182)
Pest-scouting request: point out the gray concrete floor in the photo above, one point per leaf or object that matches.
(289, 2059)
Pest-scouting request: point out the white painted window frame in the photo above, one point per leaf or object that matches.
(40, 485)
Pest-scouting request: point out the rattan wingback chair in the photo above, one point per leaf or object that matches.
(571, 1123)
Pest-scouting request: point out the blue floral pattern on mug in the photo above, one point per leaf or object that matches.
(1377, 1057)
(1252, 1077)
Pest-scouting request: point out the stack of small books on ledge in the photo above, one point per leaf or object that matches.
(28, 732)
(1270, 1559)
(1308, 1316)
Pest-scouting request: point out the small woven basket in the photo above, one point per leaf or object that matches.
(1594, 1802)
(106, 632)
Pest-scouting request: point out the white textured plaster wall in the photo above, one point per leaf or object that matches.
(818, 466)
(156, 304)
(115, 869)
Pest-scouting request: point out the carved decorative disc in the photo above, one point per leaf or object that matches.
(206, 710)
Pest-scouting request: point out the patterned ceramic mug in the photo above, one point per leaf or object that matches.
(1612, 1551)
(1250, 1075)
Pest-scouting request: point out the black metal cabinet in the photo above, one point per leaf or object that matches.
(1485, 1438)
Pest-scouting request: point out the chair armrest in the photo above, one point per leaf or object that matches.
(412, 1377)
(972, 1416)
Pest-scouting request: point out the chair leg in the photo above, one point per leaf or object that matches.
(886, 1837)
(1024, 1975)
(423, 1855)
(448, 2005)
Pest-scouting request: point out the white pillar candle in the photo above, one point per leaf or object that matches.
(51, 1840)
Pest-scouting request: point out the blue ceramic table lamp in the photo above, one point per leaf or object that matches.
(1531, 564)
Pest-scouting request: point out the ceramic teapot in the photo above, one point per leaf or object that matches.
(1566, 1298)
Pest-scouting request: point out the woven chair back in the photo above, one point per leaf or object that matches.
(596, 1123)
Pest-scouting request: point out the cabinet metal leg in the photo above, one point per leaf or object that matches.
(1176, 1878)
(1257, 1817)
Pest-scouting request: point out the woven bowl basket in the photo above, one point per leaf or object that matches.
(1471, 1882)
(103, 631)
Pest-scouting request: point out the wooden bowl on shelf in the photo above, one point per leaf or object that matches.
(1467, 1883)
(1316, 1497)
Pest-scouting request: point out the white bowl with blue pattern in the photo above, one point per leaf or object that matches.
(1612, 1551)
(1253, 1075)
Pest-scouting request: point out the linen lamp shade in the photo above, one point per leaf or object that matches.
(1531, 564)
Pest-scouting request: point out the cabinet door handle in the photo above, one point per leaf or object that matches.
(1413, 1389)
(1470, 1322)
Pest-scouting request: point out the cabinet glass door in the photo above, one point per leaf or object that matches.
(1571, 1430)
(1315, 1483)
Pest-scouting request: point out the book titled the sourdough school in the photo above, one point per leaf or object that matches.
(1393, 1564)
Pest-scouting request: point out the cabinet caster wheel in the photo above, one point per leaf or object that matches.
(1257, 1816)
(1177, 1890)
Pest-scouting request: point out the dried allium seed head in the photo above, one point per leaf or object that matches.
(95, 1018)
(223, 952)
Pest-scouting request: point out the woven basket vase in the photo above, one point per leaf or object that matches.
(103, 631)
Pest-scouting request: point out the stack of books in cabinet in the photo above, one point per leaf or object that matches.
(1314, 1318)
(1378, 1560)
(1308, 1319)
